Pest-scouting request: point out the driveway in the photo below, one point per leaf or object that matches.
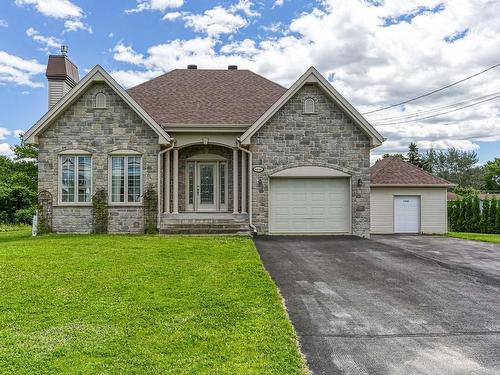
(382, 306)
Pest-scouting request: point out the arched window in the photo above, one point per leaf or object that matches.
(309, 105)
(100, 100)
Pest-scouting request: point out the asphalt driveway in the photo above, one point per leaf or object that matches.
(381, 306)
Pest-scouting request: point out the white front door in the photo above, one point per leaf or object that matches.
(309, 205)
(406, 214)
(207, 188)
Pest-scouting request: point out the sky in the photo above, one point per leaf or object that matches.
(374, 52)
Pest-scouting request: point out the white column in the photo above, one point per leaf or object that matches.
(235, 181)
(167, 182)
(175, 197)
(243, 182)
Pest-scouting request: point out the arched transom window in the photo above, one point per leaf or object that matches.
(101, 100)
(309, 105)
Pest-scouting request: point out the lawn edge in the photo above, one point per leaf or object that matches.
(462, 236)
(305, 368)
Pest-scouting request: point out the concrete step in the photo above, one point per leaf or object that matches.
(196, 230)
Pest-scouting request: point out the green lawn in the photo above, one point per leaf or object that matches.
(140, 304)
(485, 237)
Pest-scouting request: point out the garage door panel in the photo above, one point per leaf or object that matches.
(309, 206)
(407, 214)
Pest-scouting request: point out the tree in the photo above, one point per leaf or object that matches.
(397, 156)
(492, 175)
(456, 166)
(18, 184)
(413, 156)
(492, 215)
(485, 216)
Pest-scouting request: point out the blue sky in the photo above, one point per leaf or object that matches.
(375, 53)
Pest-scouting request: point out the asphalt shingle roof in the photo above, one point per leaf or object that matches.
(199, 96)
(394, 171)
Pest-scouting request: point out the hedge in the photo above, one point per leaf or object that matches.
(471, 215)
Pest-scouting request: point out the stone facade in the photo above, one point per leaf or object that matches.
(328, 138)
(98, 131)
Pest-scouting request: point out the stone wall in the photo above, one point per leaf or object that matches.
(98, 131)
(327, 138)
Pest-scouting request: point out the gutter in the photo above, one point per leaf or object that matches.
(159, 181)
(250, 182)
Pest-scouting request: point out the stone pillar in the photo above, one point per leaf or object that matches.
(235, 181)
(243, 182)
(175, 189)
(167, 182)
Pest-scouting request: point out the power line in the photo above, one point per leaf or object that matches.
(435, 109)
(436, 115)
(433, 92)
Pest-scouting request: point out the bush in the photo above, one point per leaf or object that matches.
(470, 215)
(100, 212)
(24, 215)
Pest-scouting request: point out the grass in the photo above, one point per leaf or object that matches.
(140, 304)
(485, 237)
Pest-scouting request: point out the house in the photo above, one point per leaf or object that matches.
(226, 151)
(406, 199)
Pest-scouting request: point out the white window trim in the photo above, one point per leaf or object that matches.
(59, 178)
(125, 176)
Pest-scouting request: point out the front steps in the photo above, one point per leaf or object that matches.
(204, 223)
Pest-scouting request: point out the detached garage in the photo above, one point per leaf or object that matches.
(406, 199)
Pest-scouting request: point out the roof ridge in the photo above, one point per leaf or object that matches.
(382, 166)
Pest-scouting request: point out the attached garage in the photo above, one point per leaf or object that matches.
(310, 200)
(406, 199)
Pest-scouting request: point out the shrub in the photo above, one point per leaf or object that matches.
(100, 212)
(150, 211)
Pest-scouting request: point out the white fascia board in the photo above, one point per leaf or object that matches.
(97, 74)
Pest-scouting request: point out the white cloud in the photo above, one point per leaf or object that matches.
(127, 54)
(373, 65)
(111, 35)
(75, 25)
(215, 21)
(14, 69)
(274, 27)
(25, 93)
(244, 6)
(278, 3)
(48, 42)
(4, 133)
(130, 78)
(3, 23)
(5, 149)
(160, 5)
(54, 8)
(172, 16)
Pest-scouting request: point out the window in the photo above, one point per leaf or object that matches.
(126, 178)
(309, 105)
(100, 100)
(76, 179)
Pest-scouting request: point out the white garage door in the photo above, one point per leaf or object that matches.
(309, 205)
(406, 214)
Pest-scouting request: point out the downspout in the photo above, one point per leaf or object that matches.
(250, 182)
(160, 195)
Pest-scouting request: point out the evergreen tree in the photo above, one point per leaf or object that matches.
(476, 215)
(451, 216)
(461, 215)
(492, 216)
(497, 218)
(413, 156)
(485, 218)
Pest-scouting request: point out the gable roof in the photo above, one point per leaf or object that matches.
(98, 74)
(313, 76)
(207, 96)
(396, 172)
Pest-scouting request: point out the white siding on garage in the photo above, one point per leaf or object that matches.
(433, 205)
(309, 205)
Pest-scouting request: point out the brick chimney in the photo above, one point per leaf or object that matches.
(62, 75)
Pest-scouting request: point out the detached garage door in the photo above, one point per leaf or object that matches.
(309, 205)
(406, 214)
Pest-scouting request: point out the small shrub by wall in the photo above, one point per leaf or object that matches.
(100, 212)
(150, 211)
